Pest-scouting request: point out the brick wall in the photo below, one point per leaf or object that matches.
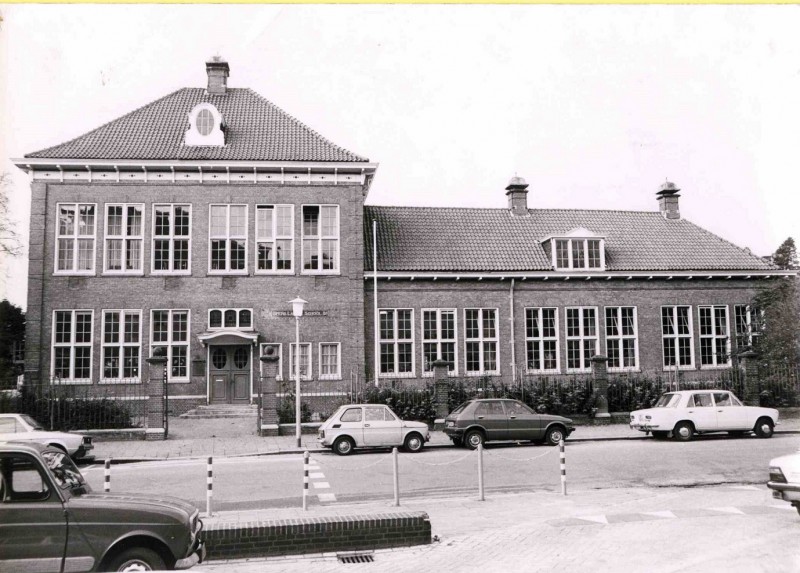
(316, 535)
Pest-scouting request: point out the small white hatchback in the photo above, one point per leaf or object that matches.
(688, 412)
(370, 426)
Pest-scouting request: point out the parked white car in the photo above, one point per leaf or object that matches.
(784, 479)
(370, 426)
(688, 412)
(23, 428)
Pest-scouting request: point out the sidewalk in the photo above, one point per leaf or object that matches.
(193, 438)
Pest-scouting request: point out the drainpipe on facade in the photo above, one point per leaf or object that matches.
(375, 297)
(513, 348)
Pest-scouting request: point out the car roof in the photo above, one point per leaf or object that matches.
(360, 405)
(696, 390)
(30, 447)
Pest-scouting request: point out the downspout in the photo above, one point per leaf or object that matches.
(513, 347)
(375, 297)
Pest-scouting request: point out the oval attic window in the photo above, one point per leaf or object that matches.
(205, 122)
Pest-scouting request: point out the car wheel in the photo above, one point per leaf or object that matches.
(763, 428)
(684, 431)
(660, 435)
(554, 436)
(137, 559)
(473, 439)
(414, 443)
(343, 446)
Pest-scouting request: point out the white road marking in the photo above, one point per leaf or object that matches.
(596, 518)
(667, 514)
(326, 497)
(316, 475)
(320, 484)
(727, 510)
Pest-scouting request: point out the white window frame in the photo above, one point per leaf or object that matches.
(622, 337)
(227, 237)
(279, 347)
(582, 338)
(319, 241)
(171, 238)
(238, 316)
(170, 343)
(482, 340)
(121, 345)
(676, 337)
(438, 341)
(292, 352)
(750, 335)
(274, 239)
(72, 345)
(585, 241)
(124, 239)
(75, 236)
(541, 339)
(395, 341)
(714, 336)
(335, 375)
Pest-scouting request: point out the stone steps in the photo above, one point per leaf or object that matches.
(223, 411)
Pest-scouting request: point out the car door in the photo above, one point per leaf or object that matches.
(492, 417)
(351, 423)
(33, 527)
(701, 411)
(523, 423)
(731, 415)
(381, 427)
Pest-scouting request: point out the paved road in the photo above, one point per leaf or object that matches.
(276, 481)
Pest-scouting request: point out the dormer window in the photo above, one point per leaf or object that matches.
(579, 250)
(205, 126)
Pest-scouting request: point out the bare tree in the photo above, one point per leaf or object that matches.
(10, 244)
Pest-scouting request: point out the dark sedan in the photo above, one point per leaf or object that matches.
(494, 419)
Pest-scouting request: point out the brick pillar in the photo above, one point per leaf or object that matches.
(750, 372)
(441, 389)
(156, 378)
(600, 377)
(269, 389)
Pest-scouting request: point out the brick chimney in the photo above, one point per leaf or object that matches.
(668, 195)
(517, 193)
(218, 71)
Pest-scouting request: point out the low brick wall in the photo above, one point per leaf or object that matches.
(234, 540)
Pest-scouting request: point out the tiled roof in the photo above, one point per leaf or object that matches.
(256, 130)
(447, 239)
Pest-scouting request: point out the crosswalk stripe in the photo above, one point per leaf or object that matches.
(727, 510)
(320, 484)
(326, 497)
(316, 475)
(595, 518)
(667, 514)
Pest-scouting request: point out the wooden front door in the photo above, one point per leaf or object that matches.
(230, 374)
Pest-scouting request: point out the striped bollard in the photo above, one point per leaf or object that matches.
(209, 485)
(480, 472)
(107, 477)
(563, 467)
(305, 480)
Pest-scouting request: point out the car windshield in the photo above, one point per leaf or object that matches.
(667, 401)
(67, 475)
(458, 410)
(31, 422)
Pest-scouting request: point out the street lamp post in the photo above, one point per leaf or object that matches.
(297, 311)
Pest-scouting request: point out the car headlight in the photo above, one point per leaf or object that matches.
(450, 424)
(776, 475)
(322, 434)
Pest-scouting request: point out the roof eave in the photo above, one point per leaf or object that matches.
(28, 164)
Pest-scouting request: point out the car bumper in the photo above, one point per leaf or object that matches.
(645, 427)
(784, 491)
(82, 451)
(197, 556)
(457, 433)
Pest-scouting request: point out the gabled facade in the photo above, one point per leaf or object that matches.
(189, 224)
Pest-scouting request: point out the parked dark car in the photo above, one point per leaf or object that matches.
(50, 520)
(494, 419)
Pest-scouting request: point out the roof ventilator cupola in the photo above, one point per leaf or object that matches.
(517, 193)
(668, 195)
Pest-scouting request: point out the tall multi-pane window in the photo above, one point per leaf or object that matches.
(582, 338)
(621, 337)
(748, 321)
(541, 339)
(321, 238)
(170, 332)
(75, 238)
(124, 238)
(578, 254)
(72, 345)
(274, 238)
(715, 344)
(396, 334)
(227, 235)
(481, 336)
(171, 238)
(121, 345)
(305, 361)
(330, 361)
(438, 338)
(676, 337)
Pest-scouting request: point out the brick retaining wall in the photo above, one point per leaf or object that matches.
(231, 540)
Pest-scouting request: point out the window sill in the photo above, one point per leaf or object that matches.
(579, 370)
(625, 369)
(72, 382)
(487, 373)
(542, 372)
(171, 273)
(715, 366)
(385, 375)
(242, 273)
(331, 377)
(274, 273)
(450, 374)
(679, 368)
(116, 381)
(73, 273)
(123, 273)
(321, 273)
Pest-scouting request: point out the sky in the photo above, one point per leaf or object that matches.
(595, 106)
